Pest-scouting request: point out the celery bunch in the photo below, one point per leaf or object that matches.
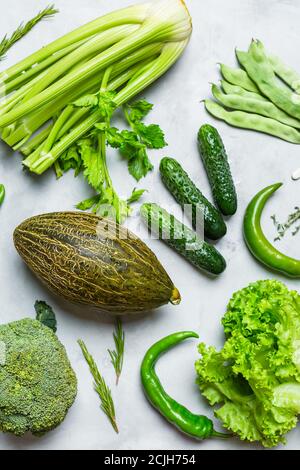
(67, 92)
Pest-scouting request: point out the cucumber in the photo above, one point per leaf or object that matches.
(215, 160)
(185, 192)
(182, 239)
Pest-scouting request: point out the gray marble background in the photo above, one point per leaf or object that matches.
(257, 161)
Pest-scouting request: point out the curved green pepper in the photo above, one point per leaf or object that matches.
(258, 244)
(197, 426)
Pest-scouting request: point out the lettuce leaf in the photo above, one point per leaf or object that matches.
(255, 379)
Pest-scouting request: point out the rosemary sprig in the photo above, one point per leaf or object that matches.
(23, 29)
(117, 356)
(104, 392)
(283, 228)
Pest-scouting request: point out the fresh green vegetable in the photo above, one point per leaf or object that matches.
(117, 356)
(260, 102)
(182, 239)
(258, 244)
(23, 29)
(215, 160)
(75, 84)
(253, 122)
(237, 90)
(45, 314)
(37, 383)
(90, 154)
(291, 221)
(254, 381)
(286, 73)
(103, 391)
(93, 261)
(197, 426)
(259, 69)
(2, 193)
(186, 193)
(254, 105)
(238, 77)
(133, 145)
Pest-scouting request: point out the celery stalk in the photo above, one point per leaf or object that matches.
(118, 55)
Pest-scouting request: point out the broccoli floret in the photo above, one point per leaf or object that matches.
(37, 383)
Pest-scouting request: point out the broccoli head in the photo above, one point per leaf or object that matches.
(37, 383)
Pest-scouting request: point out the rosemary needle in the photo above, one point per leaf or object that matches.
(282, 228)
(117, 356)
(104, 392)
(23, 29)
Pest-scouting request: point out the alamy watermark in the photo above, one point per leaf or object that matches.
(161, 223)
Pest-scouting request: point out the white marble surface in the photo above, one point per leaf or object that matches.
(257, 160)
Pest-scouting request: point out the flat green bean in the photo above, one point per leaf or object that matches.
(253, 122)
(238, 77)
(286, 73)
(264, 108)
(238, 90)
(259, 69)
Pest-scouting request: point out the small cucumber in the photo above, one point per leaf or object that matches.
(215, 160)
(182, 239)
(185, 192)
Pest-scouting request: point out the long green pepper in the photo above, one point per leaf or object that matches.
(258, 244)
(197, 426)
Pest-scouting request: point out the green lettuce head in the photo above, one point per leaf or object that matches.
(254, 381)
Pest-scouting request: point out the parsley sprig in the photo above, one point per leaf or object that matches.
(89, 156)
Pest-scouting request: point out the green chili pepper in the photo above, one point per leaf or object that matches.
(257, 243)
(199, 427)
(2, 193)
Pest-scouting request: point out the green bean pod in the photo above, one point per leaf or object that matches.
(238, 90)
(238, 77)
(286, 73)
(259, 69)
(258, 244)
(196, 426)
(2, 193)
(253, 105)
(253, 122)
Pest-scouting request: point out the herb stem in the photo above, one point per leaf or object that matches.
(23, 29)
(117, 356)
(104, 392)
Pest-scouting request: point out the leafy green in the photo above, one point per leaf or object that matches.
(71, 159)
(136, 195)
(133, 144)
(89, 154)
(255, 378)
(45, 314)
(133, 150)
(139, 110)
(104, 101)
